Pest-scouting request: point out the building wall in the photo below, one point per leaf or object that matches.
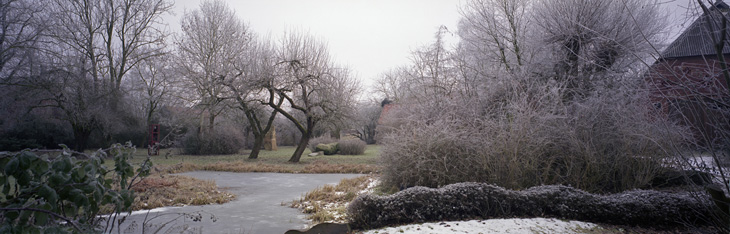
(688, 89)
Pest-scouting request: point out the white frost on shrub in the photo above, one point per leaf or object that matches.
(477, 200)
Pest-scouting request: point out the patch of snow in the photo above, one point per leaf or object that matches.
(372, 182)
(155, 210)
(534, 225)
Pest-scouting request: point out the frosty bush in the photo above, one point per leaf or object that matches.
(351, 147)
(610, 141)
(312, 145)
(478, 200)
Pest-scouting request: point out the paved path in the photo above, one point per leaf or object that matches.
(257, 208)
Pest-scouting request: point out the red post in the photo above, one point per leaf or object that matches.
(152, 148)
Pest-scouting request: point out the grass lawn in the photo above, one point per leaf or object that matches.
(172, 161)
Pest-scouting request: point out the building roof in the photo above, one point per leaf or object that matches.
(695, 40)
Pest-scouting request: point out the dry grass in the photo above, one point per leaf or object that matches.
(329, 203)
(268, 161)
(315, 167)
(171, 190)
(160, 190)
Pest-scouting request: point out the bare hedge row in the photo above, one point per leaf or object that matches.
(478, 200)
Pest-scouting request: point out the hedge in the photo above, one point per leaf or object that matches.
(482, 201)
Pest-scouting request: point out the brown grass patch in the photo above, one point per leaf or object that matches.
(329, 203)
(323, 167)
(177, 168)
(315, 167)
(172, 190)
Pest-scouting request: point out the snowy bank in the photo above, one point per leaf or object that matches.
(527, 226)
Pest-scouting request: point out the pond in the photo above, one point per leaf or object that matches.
(257, 208)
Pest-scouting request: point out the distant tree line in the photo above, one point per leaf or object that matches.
(90, 73)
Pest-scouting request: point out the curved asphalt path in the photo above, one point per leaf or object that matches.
(257, 208)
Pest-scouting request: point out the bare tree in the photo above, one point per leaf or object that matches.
(130, 36)
(310, 85)
(151, 85)
(112, 35)
(390, 84)
(248, 89)
(68, 91)
(89, 41)
(431, 71)
(496, 31)
(589, 38)
(212, 44)
(21, 25)
(366, 121)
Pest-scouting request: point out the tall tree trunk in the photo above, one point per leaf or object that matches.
(257, 144)
(306, 135)
(301, 147)
(81, 138)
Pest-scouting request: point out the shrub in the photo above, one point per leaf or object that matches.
(351, 147)
(608, 142)
(328, 149)
(35, 132)
(478, 200)
(220, 143)
(66, 194)
(319, 140)
(15, 144)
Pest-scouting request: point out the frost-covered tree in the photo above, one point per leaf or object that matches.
(312, 86)
(589, 41)
(496, 31)
(22, 27)
(505, 118)
(213, 42)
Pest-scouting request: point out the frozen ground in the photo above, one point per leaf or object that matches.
(516, 226)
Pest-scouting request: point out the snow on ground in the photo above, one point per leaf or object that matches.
(516, 226)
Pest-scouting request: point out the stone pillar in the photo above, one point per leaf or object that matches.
(270, 139)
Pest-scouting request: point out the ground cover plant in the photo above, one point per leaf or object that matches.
(65, 193)
(463, 201)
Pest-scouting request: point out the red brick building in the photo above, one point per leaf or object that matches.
(688, 82)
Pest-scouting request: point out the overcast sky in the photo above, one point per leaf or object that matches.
(370, 36)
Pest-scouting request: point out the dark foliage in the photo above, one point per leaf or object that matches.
(33, 133)
(65, 194)
(478, 200)
(215, 144)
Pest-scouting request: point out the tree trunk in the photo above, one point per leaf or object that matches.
(81, 138)
(257, 144)
(300, 148)
(306, 135)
